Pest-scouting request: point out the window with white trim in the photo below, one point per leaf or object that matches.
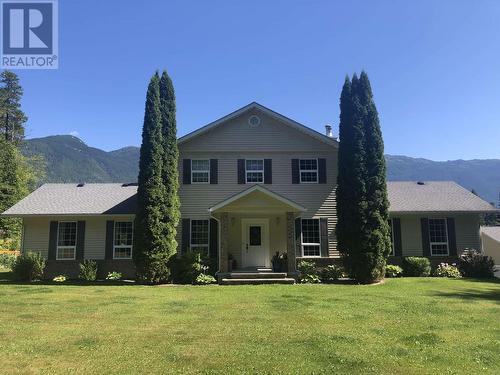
(200, 171)
(254, 170)
(391, 228)
(199, 236)
(311, 239)
(308, 169)
(124, 237)
(438, 236)
(66, 240)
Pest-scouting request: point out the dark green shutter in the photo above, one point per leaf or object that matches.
(54, 225)
(214, 239)
(322, 171)
(452, 237)
(323, 227)
(80, 240)
(214, 171)
(268, 171)
(186, 235)
(186, 171)
(426, 246)
(298, 237)
(398, 244)
(110, 238)
(295, 171)
(241, 171)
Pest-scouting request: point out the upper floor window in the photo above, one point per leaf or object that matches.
(66, 240)
(200, 171)
(311, 239)
(254, 170)
(308, 169)
(122, 246)
(438, 236)
(199, 236)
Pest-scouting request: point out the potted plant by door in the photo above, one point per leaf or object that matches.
(279, 262)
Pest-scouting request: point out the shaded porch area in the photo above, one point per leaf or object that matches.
(254, 225)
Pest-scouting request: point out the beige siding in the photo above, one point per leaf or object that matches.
(36, 233)
(236, 135)
(491, 247)
(466, 228)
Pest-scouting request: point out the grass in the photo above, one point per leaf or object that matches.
(408, 326)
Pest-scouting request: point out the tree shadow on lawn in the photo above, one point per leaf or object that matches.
(490, 294)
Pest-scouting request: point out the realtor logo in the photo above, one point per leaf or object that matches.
(29, 34)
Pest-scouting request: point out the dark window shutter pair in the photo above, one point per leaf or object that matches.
(80, 240)
(323, 228)
(186, 171)
(398, 244)
(452, 237)
(321, 171)
(268, 171)
(110, 238)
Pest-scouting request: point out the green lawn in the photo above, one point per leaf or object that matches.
(403, 326)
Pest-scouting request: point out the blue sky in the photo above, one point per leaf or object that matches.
(434, 68)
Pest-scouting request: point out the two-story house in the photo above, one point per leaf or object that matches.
(253, 183)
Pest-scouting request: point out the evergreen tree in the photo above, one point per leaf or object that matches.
(170, 163)
(12, 118)
(150, 243)
(351, 180)
(376, 231)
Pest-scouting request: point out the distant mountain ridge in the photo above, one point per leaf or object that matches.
(69, 159)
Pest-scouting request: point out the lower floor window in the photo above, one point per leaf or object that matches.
(122, 246)
(199, 236)
(311, 242)
(66, 240)
(438, 236)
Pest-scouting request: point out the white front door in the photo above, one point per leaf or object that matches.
(255, 237)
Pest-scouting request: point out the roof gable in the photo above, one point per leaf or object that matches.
(292, 124)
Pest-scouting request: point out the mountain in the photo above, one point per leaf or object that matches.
(69, 159)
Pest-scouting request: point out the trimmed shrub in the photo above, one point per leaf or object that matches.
(88, 270)
(187, 267)
(393, 271)
(447, 270)
(473, 263)
(28, 267)
(416, 266)
(203, 279)
(114, 276)
(308, 272)
(7, 260)
(331, 273)
(60, 278)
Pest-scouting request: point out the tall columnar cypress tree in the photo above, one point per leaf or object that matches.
(170, 174)
(351, 187)
(376, 231)
(150, 241)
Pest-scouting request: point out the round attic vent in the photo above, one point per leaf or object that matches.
(254, 121)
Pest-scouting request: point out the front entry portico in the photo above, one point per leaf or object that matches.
(254, 225)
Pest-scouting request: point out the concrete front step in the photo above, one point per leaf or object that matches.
(250, 281)
(256, 275)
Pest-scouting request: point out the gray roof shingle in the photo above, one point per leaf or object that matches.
(69, 199)
(434, 196)
(115, 199)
